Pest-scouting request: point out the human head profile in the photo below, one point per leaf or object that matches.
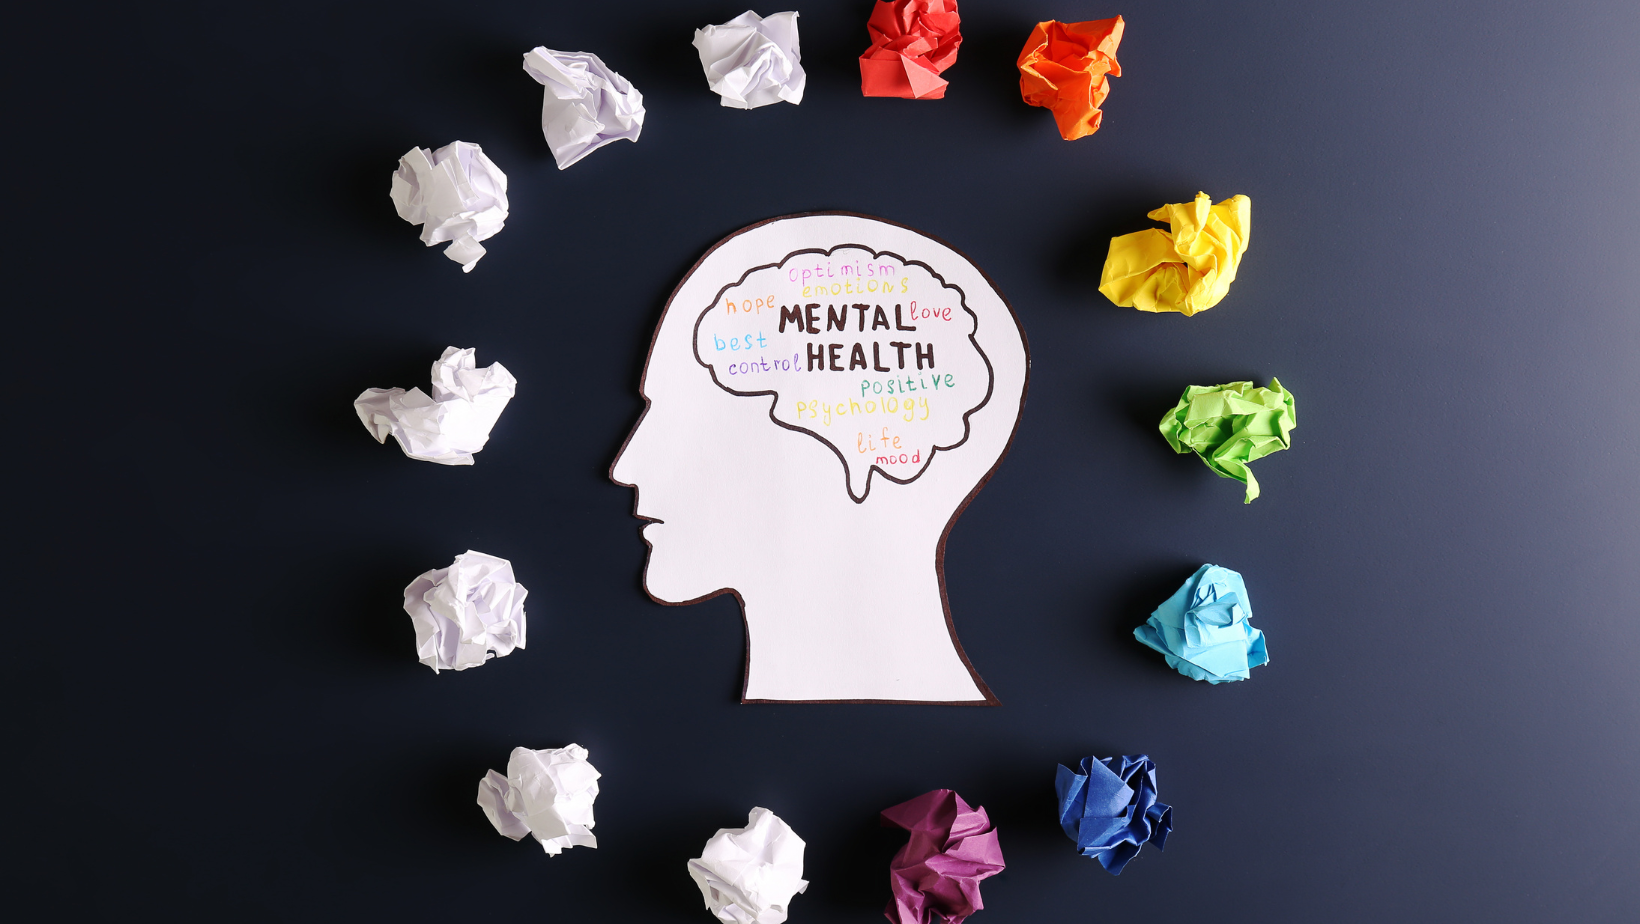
(824, 395)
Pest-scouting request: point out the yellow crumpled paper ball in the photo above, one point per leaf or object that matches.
(1186, 269)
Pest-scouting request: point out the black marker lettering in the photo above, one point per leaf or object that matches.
(793, 314)
(837, 320)
(902, 347)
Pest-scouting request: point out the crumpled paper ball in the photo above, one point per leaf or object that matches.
(586, 105)
(547, 793)
(1110, 808)
(454, 423)
(1063, 68)
(456, 194)
(752, 61)
(749, 875)
(465, 611)
(912, 43)
(938, 871)
(1187, 268)
(1203, 629)
(1228, 426)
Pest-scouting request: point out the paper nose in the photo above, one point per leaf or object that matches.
(626, 469)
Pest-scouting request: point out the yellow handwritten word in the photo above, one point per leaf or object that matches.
(855, 287)
(907, 410)
(747, 306)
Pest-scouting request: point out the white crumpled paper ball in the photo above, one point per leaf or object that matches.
(454, 423)
(466, 610)
(456, 194)
(749, 875)
(547, 793)
(586, 105)
(751, 61)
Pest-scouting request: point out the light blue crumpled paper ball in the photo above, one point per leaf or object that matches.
(1203, 629)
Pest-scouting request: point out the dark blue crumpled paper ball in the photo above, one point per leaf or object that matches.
(1110, 809)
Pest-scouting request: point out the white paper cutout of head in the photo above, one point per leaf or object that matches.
(796, 450)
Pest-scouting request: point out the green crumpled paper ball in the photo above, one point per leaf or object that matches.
(1231, 425)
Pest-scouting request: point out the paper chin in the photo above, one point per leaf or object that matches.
(671, 575)
(672, 588)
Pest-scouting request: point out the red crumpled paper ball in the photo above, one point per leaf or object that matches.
(912, 41)
(1063, 69)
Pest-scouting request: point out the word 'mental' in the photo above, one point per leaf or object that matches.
(908, 356)
(807, 317)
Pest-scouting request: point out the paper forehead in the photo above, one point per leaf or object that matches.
(917, 382)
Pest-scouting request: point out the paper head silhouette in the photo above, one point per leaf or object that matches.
(825, 393)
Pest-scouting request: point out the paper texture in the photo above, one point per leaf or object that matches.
(547, 793)
(827, 377)
(1187, 268)
(1110, 810)
(1064, 67)
(749, 875)
(456, 194)
(586, 105)
(752, 61)
(938, 871)
(1203, 629)
(1228, 426)
(454, 423)
(912, 43)
(465, 611)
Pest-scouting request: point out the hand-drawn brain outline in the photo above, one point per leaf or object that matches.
(774, 393)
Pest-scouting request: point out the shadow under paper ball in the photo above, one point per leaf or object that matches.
(1081, 258)
(366, 619)
(855, 870)
(1131, 602)
(987, 68)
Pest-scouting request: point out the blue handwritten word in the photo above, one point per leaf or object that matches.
(735, 342)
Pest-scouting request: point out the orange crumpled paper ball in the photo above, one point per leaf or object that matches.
(912, 41)
(1063, 69)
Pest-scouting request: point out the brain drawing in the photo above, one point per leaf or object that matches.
(869, 353)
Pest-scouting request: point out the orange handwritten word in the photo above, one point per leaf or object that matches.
(747, 306)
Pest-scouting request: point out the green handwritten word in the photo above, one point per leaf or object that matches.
(907, 384)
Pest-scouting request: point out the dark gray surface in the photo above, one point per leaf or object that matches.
(219, 710)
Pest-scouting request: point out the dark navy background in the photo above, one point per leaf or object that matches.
(218, 711)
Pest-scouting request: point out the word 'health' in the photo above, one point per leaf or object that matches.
(828, 357)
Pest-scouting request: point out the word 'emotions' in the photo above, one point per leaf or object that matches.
(846, 340)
